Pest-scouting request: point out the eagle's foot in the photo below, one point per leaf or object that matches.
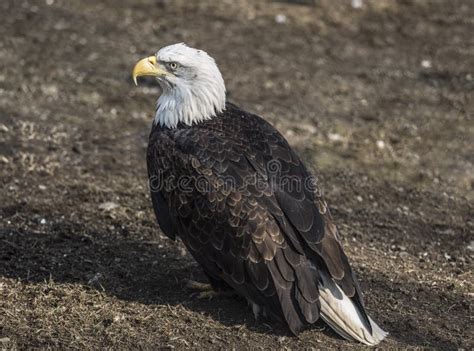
(206, 291)
(194, 285)
(206, 295)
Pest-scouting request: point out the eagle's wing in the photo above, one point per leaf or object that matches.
(251, 220)
(159, 168)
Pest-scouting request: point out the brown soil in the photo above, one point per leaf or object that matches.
(378, 101)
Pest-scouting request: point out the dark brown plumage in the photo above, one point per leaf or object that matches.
(219, 185)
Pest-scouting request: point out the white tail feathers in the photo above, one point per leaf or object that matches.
(343, 316)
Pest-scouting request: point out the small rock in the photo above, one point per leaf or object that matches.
(4, 340)
(50, 90)
(182, 251)
(108, 206)
(269, 84)
(448, 231)
(4, 160)
(42, 187)
(118, 318)
(309, 128)
(470, 247)
(426, 64)
(357, 4)
(43, 221)
(280, 18)
(335, 137)
(3, 128)
(380, 144)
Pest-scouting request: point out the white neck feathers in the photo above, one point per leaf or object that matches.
(190, 103)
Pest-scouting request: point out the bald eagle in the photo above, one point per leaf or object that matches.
(228, 184)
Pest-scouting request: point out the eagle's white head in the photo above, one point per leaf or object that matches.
(192, 86)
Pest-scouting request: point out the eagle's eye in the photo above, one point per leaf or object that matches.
(173, 65)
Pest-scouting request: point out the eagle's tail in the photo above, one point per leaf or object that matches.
(343, 315)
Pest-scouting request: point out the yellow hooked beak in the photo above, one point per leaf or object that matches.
(147, 67)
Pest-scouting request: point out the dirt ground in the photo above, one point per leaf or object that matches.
(377, 100)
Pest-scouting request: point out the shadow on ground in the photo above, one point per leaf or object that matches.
(146, 273)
